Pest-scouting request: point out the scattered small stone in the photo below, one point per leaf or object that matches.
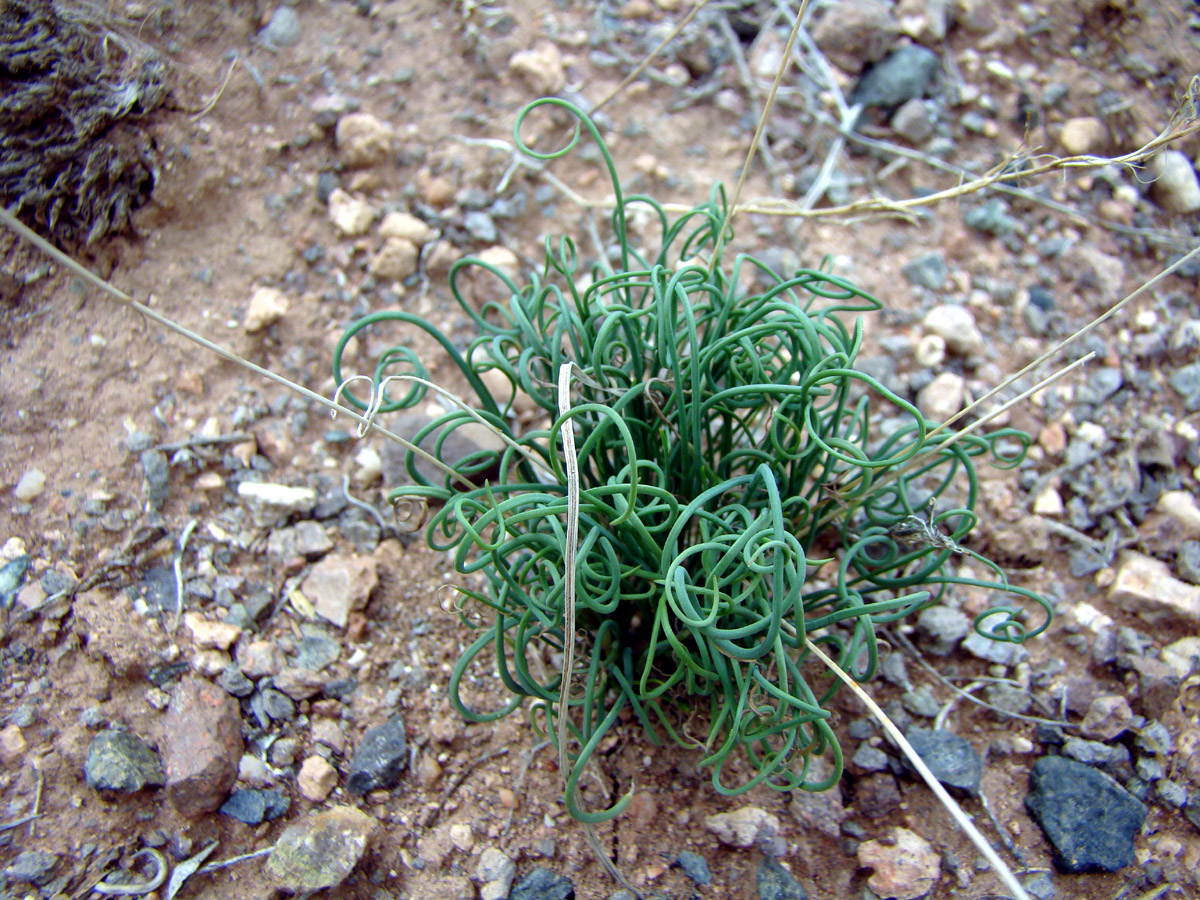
(33, 867)
(306, 539)
(321, 850)
(929, 271)
(1175, 187)
(396, 260)
(906, 865)
(12, 743)
(120, 761)
(203, 744)
(914, 122)
(266, 307)
(1083, 136)
(819, 810)
(30, 485)
(1107, 717)
(350, 215)
(211, 635)
(283, 29)
(942, 628)
(859, 32)
(300, 684)
(363, 140)
(407, 226)
(870, 758)
(495, 872)
(253, 807)
(480, 226)
(1186, 383)
(329, 733)
(942, 397)
(1002, 652)
(877, 795)
(921, 702)
(283, 752)
(991, 217)
(694, 867)
(252, 770)
(317, 779)
(260, 659)
(380, 758)
(541, 67)
(951, 759)
(1171, 792)
(956, 326)
(276, 705)
(906, 73)
(269, 501)
(340, 584)
(1067, 799)
(777, 883)
(317, 651)
(744, 827)
(543, 884)
(1145, 586)
(930, 351)
(1182, 508)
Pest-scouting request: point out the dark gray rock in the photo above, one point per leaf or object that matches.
(991, 218)
(317, 650)
(157, 473)
(927, 271)
(1105, 382)
(278, 705)
(1087, 817)
(694, 867)
(951, 759)
(32, 866)
(120, 761)
(255, 807)
(904, 74)
(12, 577)
(777, 883)
(1171, 792)
(481, 227)
(380, 758)
(1192, 810)
(232, 681)
(543, 884)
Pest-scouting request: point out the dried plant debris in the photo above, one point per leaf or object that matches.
(74, 93)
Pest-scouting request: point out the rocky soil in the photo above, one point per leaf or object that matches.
(225, 660)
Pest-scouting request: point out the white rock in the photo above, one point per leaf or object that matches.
(942, 397)
(1183, 655)
(1146, 587)
(349, 215)
(1175, 187)
(956, 326)
(930, 351)
(14, 548)
(363, 140)
(1049, 503)
(370, 466)
(339, 585)
(1182, 507)
(280, 496)
(266, 307)
(31, 485)
(503, 259)
(495, 866)
(906, 865)
(743, 827)
(541, 67)
(396, 259)
(407, 226)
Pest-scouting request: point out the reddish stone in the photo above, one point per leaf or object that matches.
(203, 744)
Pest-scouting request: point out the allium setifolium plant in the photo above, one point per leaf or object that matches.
(725, 452)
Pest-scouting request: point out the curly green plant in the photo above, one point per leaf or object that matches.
(734, 500)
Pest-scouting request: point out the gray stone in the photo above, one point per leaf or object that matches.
(1187, 562)
(905, 73)
(32, 866)
(1154, 738)
(283, 30)
(278, 705)
(12, 577)
(1186, 383)
(1105, 382)
(1002, 652)
(942, 627)
(380, 758)
(1171, 792)
(927, 271)
(1175, 186)
(777, 883)
(991, 218)
(120, 761)
(481, 227)
(920, 702)
(466, 440)
(254, 807)
(543, 884)
(232, 681)
(158, 476)
(1067, 799)
(317, 649)
(694, 867)
(951, 759)
(870, 759)
(913, 121)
